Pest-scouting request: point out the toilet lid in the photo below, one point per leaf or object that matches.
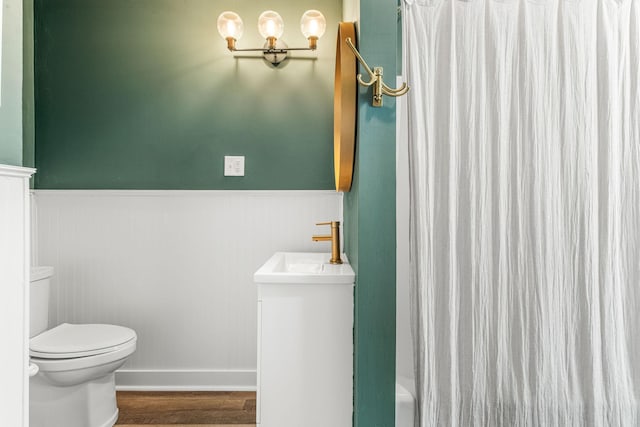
(67, 340)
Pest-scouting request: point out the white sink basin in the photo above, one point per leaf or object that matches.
(304, 267)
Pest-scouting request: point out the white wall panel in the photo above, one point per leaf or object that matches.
(176, 266)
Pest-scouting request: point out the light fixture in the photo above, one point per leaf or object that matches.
(271, 26)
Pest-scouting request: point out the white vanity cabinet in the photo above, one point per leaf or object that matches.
(305, 342)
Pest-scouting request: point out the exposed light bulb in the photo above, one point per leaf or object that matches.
(313, 24)
(270, 24)
(270, 28)
(313, 27)
(231, 29)
(230, 26)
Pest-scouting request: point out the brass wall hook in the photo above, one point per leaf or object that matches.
(375, 76)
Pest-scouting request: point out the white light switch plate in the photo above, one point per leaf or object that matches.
(233, 165)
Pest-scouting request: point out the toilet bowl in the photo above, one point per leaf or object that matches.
(75, 382)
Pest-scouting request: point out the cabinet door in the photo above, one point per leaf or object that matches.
(305, 366)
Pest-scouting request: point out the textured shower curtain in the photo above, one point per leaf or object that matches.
(524, 145)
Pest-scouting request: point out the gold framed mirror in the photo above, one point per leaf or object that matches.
(344, 108)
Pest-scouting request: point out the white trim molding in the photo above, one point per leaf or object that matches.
(186, 193)
(14, 288)
(16, 171)
(185, 380)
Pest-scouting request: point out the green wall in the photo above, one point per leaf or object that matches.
(28, 119)
(370, 227)
(143, 94)
(11, 83)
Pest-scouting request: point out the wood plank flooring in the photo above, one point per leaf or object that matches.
(187, 409)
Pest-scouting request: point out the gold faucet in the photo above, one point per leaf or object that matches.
(335, 240)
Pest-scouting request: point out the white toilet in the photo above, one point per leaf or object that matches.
(74, 386)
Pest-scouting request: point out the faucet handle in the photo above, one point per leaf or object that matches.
(331, 223)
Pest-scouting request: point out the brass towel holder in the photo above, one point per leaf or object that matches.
(375, 76)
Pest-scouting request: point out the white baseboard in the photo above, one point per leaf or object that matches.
(185, 380)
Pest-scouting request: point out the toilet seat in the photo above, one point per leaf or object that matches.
(67, 341)
(49, 366)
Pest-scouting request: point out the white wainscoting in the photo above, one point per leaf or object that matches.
(14, 295)
(176, 266)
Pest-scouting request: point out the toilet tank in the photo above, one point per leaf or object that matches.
(39, 300)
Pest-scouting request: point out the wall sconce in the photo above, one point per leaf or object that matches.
(270, 25)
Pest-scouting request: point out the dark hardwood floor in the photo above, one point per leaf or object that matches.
(192, 408)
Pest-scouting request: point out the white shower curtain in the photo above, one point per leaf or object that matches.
(524, 142)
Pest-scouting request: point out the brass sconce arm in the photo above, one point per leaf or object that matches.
(271, 50)
(375, 76)
(271, 46)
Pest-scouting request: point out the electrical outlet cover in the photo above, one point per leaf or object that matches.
(233, 165)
